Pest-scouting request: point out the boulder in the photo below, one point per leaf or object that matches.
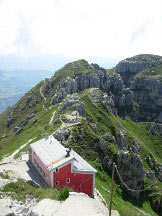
(74, 104)
(62, 134)
(95, 95)
(59, 96)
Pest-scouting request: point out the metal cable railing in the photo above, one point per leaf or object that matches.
(129, 189)
(141, 190)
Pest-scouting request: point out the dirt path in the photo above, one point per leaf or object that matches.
(41, 93)
(67, 124)
(52, 118)
(10, 158)
(106, 189)
(143, 212)
(19, 168)
(45, 99)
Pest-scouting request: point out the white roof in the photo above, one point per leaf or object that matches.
(80, 165)
(50, 152)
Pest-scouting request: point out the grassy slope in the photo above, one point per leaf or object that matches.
(135, 131)
(153, 72)
(73, 69)
(40, 123)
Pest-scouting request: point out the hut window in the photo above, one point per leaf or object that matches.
(57, 170)
(57, 183)
(68, 180)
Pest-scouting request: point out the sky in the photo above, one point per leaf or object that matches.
(45, 34)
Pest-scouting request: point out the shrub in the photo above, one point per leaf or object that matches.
(63, 194)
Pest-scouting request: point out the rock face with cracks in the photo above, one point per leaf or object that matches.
(131, 171)
(143, 75)
(100, 79)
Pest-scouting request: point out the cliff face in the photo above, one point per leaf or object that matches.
(129, 67)
(143, 75)
(148, 94)
(93, 76)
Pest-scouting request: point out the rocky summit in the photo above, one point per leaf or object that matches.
(107, 116)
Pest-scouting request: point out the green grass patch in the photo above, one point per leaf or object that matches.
(21, 189)
(153, 72)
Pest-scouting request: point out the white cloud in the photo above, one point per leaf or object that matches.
(80, 28)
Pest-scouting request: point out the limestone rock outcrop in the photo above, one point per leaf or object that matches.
(148, 94)
(73, 103)
(111, 84)
(143, 75)
(131, 171)
(129, 67)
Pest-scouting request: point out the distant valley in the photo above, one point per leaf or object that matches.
(14, 84)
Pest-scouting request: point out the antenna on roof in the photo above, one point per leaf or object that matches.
(68, 152)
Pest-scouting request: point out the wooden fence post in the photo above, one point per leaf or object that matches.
(112, 187)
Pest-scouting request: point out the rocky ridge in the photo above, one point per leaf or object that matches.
(111, 84)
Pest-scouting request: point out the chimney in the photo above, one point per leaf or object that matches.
(68, 152)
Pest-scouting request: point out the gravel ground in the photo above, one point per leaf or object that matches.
(78, 204)
(20, 169)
